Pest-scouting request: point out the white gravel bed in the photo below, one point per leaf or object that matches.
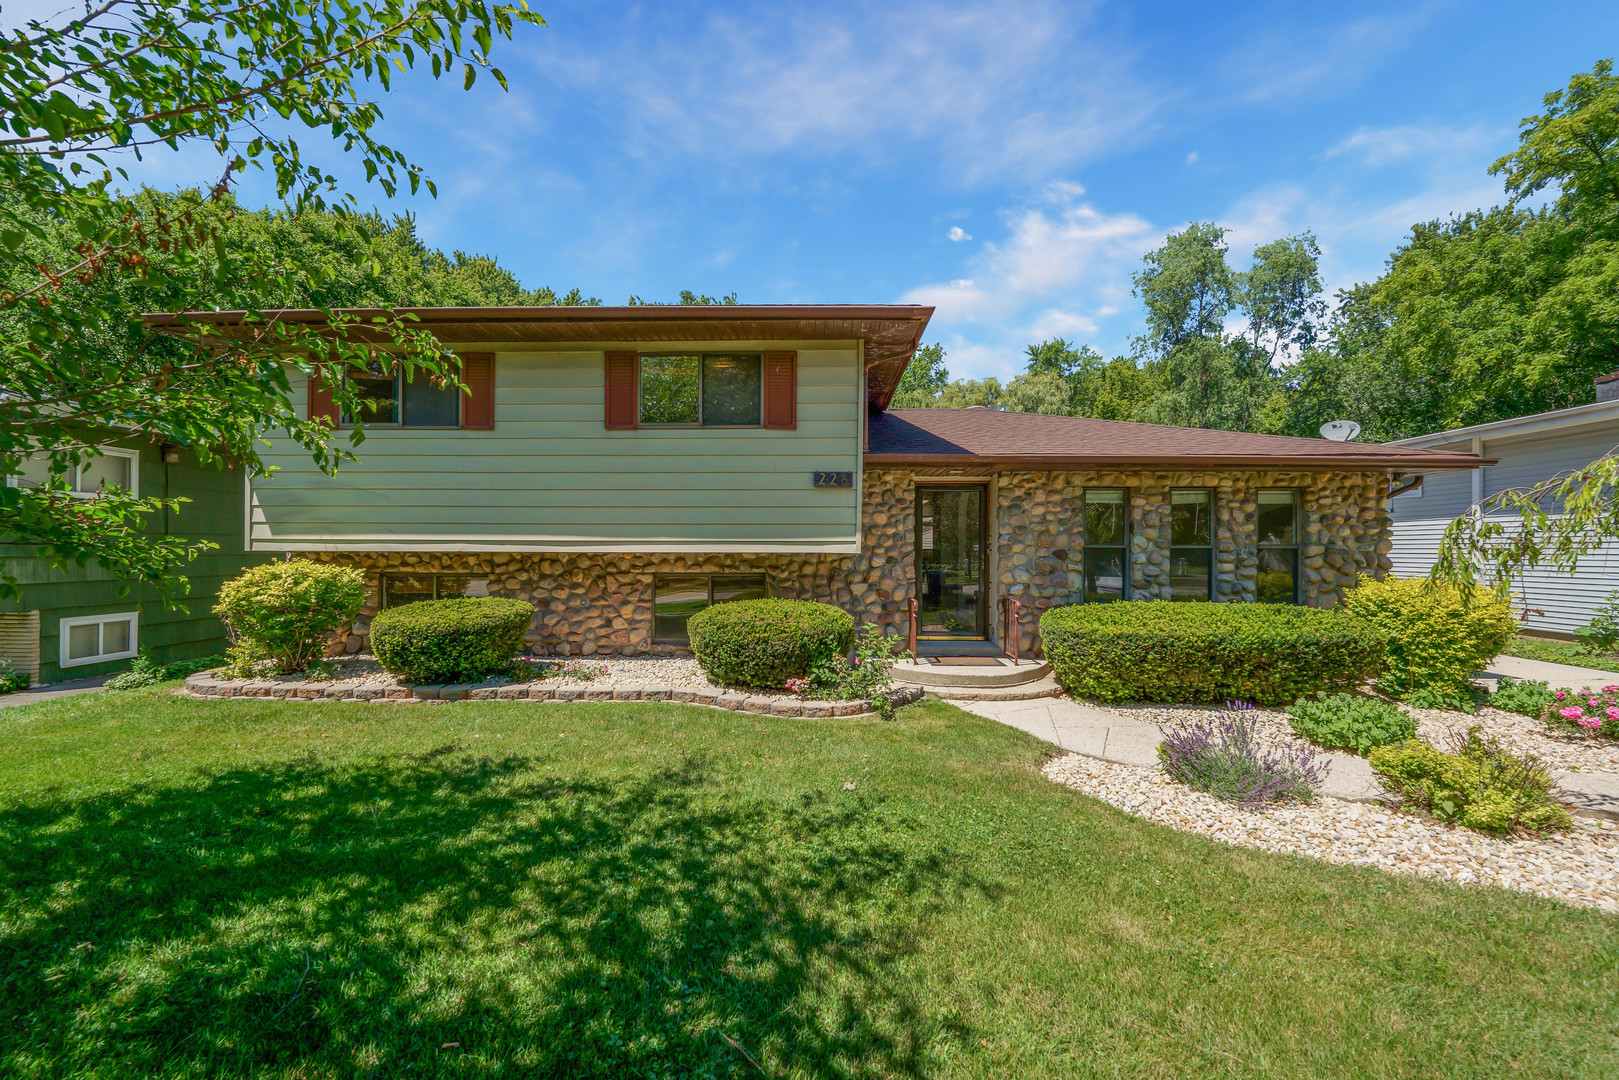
(1519, 734)
(1580, 866)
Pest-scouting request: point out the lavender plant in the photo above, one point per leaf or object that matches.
(1222, 756)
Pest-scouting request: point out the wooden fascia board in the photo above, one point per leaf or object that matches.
(1440, 463)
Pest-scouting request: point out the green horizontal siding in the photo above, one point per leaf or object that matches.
(214, 513)
(551, 471)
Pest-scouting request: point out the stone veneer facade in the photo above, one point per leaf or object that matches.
(599, 605)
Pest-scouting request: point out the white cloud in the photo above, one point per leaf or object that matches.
(1191, 159)
(958, 234)
(994, 89)
(1377, 147)
(1289, 60)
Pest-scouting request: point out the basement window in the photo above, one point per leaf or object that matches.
(677, 597)
(401, 589)
(96, 639)
(113, 467)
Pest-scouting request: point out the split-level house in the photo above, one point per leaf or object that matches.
(623, 467)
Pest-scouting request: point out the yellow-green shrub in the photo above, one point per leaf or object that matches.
(1435, 642)
(1481, 785)
(286, 611)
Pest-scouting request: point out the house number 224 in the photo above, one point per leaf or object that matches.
(834, 479)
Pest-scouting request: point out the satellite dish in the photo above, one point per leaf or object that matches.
(1340, 430)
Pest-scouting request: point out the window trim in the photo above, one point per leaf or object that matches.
(346, 421)
(132, 456)
(642, 356)
(1123, 547)
(1296, 547)
(653, 637)
(64, 625)
(1212, 547)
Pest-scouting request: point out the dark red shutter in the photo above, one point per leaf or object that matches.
(623, 407)
(781, 390)
(478, 402)
(321, 404)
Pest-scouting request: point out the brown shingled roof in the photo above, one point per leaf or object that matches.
(992, 438)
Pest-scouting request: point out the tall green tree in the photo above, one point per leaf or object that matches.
(83, 94)
(925, 376)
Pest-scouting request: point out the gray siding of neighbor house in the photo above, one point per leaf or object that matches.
(552, 477)
(1556, 603)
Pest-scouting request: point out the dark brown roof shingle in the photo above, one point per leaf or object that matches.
(986, 437)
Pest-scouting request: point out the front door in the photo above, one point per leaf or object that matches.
(950, 560)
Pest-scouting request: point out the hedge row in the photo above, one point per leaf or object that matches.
(1269, 654)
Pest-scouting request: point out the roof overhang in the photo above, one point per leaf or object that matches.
(1600, 412)
(890, 332)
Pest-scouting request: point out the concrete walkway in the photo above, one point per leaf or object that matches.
(1559, 676)
(53, 690)
(1085, 729)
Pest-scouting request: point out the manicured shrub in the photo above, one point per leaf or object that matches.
(1589, 712)
(1435, 642)
(1479, 785)
(1350, 722)
(1161, 651)
(449, 641)
(763, 643)
(1221, 755)
(1526, 697)
(286, 611)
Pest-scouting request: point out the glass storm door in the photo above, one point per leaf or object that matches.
(950, 560)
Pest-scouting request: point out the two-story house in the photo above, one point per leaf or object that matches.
(623, 467)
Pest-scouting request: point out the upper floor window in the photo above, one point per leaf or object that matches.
(393, 400)
(1191, 544)
(701, 389)
(114, 467)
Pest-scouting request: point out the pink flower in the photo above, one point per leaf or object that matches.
(1592, 722)
(1613, 713)
(1573, 712)
(1559, 695)
(1610, 689)
(1595, 701)
(797, 686)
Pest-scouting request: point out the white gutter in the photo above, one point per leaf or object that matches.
(1539, 423)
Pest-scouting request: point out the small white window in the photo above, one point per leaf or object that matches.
(94, 639)
(115, 468)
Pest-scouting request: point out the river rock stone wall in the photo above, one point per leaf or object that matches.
(601, 605)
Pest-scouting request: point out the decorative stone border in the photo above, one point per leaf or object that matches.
(205, 685)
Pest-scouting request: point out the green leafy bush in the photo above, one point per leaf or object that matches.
(1435, 641)
(1526, 697)
(1449, 700)
(12, 680)
(286, 611)
(1480, 785)
(144, 671)
(867, 676)
(1601, 634)
(1350, 722)
(1161, 651)
(763, 643)
(449, 641)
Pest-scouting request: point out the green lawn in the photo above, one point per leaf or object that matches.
(1560, 652)
(499, 889)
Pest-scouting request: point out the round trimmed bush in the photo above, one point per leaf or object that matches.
(763, 643)
(287, 611)
(449, 641)
(1269, 654)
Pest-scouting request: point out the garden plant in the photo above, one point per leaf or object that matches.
(285, 612)
(866, 677)
(1272, 654)
(1222, 755)
(1592, 713)
(451, 641)
(1350, 722)
(761, 644)
(1436, 640)
(1526, 697)
(1478, 784)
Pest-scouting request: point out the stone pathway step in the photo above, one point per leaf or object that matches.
(1032, 691)
(981, 672)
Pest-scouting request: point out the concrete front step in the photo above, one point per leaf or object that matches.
(1044, 688)
(936, 676)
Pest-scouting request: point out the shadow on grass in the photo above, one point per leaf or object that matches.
(442, 914)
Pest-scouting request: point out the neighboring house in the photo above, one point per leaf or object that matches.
(622, 468)
(83, 621)
(1526, 450)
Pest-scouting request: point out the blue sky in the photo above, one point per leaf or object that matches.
(1007, 162)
